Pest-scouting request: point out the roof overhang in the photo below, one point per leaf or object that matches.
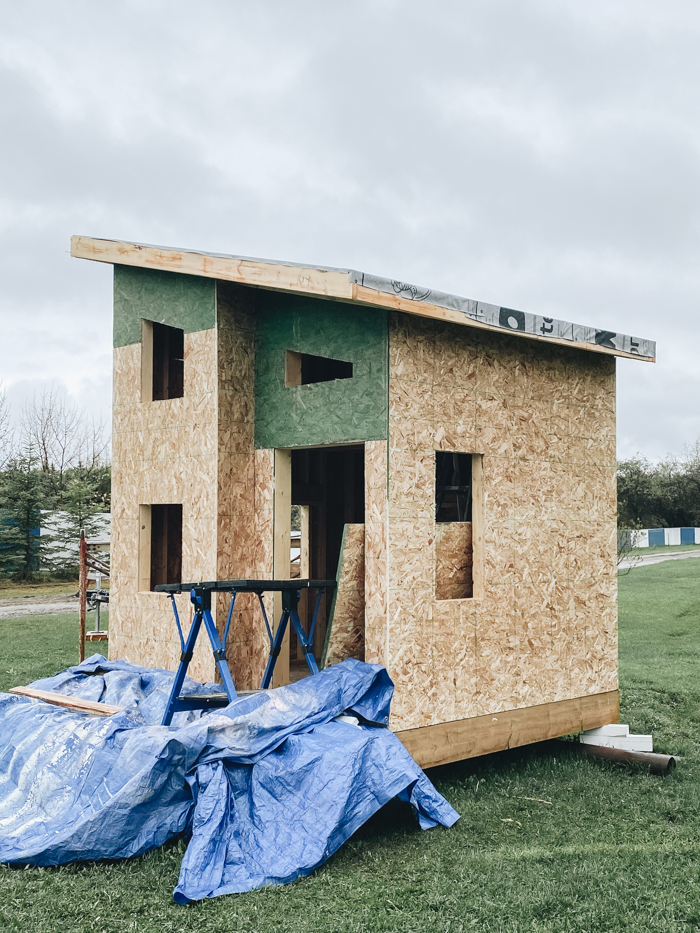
(358, 287)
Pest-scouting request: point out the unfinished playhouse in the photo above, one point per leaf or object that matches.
(454, 467)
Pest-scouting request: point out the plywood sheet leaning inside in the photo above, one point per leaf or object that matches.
(346, 628)
(453, 560)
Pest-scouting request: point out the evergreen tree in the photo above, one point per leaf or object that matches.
(82, 507)
(21, 499)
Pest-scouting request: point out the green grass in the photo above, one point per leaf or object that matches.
(601, 848)
(32, 647)
(664, 548)
(10, 590)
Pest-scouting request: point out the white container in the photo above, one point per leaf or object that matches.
(672, 536)
(697, 535)
(641, 538)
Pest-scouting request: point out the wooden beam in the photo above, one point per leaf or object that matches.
(494, 732)
(281, 552)
(144, 548)
(76, 703)
(146, 361)
(306, 280)
(478, 578)
(273, 275)
(292, 368)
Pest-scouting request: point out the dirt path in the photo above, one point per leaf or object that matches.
(643, 560)
(16, 606)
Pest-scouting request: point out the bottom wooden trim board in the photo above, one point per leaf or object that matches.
(468, 738)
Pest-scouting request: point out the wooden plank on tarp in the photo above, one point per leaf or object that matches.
(76, 703)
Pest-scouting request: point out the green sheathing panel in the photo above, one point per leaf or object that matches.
(185, 301)
(326, 412)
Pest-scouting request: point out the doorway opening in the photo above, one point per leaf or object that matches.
(328, 491)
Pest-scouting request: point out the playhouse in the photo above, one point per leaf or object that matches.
(453, 465)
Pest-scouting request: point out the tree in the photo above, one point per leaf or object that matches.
(6, 432)
(639, 494)
(81, 511)
(663, 495)
(64, 439)
(21, 499)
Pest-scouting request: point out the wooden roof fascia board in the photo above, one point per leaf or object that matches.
(275, 276)
(334, 284)
(364, 295)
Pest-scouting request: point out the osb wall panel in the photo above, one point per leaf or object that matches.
(245, 487)
(163, 452)
(346, 632)
(337, 411)
(376, 606)
(544, 419)
(453, 560)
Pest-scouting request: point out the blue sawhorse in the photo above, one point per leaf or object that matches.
(200, 596)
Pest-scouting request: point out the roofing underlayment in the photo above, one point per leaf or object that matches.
(362, 288)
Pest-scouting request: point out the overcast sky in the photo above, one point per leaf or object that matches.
(538, 154)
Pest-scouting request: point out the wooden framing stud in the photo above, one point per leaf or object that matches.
(281, 552)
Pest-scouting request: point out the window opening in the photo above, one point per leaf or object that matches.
(328, 487)
(301, 369)
(168, 362)
(166, 544)
(453, 487)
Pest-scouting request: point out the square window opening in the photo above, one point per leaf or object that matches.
(301, 369)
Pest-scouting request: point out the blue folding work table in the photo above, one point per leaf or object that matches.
(200, 596)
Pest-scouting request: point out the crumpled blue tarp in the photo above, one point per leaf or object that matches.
(268, 787)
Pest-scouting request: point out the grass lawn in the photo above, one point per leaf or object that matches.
(10, 590)
(547, 842)
(664, 549)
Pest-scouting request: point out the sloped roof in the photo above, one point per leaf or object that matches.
(360, 287)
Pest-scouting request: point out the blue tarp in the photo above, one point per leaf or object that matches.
(267, 788)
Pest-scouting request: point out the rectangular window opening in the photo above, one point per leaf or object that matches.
(453, 487)
(162, 351)
(456, 511)
(161, 545)
(301, 369)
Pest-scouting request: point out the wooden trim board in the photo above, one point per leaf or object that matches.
(281, 551)
(309, 281)
(322, 283)
(482, 735)
(76, 703)
(478, 576)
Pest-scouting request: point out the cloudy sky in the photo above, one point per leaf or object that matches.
(538, 154)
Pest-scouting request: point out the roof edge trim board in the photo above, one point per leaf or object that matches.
(349, 285)
(309, 281)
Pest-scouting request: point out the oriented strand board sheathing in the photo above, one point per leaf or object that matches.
(346, 634)
(543, 418)
(164, 452)
(453, 560)
(334, 411)
(245, 487)
(376, 623)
